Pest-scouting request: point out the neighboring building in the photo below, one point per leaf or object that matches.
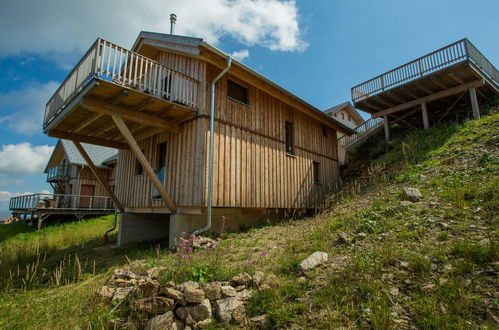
(346, 114)
(274, 154)
(69, 174)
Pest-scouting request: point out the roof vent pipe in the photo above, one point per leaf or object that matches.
(173, 20)
(212, 137)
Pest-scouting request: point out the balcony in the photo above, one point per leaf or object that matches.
(60, 203)
(448, 68)
(111, 80)
(58, 173)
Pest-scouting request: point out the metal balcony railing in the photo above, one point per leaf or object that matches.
(60, 172)
(120, 66)
(36, 202)
(459, 51)
(361, 131)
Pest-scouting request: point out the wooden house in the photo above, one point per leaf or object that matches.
(273, 153)
(68, 173)
(346, 114)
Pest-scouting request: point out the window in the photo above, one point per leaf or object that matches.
(349, 118)
(160, 171)
(237, 92)
(324, 130)
(138, 167)
(289, 138)
(343, 116)
(315, 168)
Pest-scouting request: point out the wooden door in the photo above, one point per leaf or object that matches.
(87, 190)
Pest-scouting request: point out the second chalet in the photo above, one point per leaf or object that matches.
(270, 154)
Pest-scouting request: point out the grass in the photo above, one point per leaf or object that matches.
(430, 264)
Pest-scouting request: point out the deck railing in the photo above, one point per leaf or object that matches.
(60, 172)
(113, 63)
(459, 51)
(35, 202)
(361, 131)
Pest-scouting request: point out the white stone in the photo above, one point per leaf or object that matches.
(314, 260)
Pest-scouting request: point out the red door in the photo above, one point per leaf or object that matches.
(87, 190)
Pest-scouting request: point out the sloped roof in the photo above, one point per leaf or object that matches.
(190, 45)
(97, 154)
(350, 108)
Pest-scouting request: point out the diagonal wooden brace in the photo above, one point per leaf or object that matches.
(97, 175)
(144, 162)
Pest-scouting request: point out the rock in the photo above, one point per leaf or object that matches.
(361, 235)
(104, 294)
(302, 280)
(199, 312)
(271, 282)
(193, 295)
(152, 305)
(394, 291)
(412, 194)
(182, 286)
(162, 321)
(443, 225)
(387, 277)
(404, 265)
(261, 322)
(171, 293)
(213, 291)
(239, 314)
(240, 288)
(258, 278)
(341, 238)
(123, 293)
(484, 242)
(228, 291)
(242, 279)
(148, 289)
(155, 271)
(314, 260)
(225, 308)
(202, 324)
(404, 204)
(201, 242)
(124, 274)
(243, 295)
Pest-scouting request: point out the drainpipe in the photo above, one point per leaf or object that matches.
(210, 161)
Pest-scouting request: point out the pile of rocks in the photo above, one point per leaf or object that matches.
(196, 242)
(190, 305)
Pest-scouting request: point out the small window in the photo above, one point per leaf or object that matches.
(289, 138)
(349, 118)
(138, 167)
(324, 130)
(343, 116)
(237, 92)
(315, 168)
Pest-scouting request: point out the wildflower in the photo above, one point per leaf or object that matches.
(183, 234)
(264, 253)
(189, 249)
(185, 256)
(248, 262)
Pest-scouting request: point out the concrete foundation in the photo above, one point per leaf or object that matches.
(143, 227)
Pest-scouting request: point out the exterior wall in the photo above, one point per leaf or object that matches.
(251, 167)
(345, 118)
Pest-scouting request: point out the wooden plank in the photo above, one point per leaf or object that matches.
(96, 173)
(474, 104)
(134, 116)
(86, 123)
(143, 161)
(87, 139)
(432, 97)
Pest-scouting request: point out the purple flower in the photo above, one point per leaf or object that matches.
(184, 234)
(264, 253)
(248, 262)
(189, 249)
(185, 256)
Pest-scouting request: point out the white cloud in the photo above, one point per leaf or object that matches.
(26, 107)
(23, 159)
(57, 28)
(240, 55)
(5, 196)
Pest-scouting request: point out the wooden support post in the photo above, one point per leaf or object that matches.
(474, 103)
(91, 164)
(424, 110)
(143, 161)
(387, 128)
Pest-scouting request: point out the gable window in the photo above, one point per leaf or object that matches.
(289, 138)
(315, 169)
(343, 116)
(237, 92)
(349, 118)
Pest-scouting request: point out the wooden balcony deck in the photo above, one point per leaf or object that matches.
(61, 204)
(435, 78)
(110, 80)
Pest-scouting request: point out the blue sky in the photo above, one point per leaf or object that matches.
(317, 49)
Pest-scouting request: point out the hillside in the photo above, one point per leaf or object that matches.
(392, 263)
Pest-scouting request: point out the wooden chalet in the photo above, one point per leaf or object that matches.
(273, 153)
(75, 189)
(426, 90)
(346, 114)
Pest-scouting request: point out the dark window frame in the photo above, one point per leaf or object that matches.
(289, 137)
(316, 172)
(139, 169)
(233, 87)
(324, 130)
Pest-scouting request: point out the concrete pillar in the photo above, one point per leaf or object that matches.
(387, 128)
(424, 110)
(474, 104)
(142, 227)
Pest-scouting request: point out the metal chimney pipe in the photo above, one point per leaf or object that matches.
(173, 20)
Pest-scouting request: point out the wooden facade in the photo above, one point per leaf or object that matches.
(252, 169)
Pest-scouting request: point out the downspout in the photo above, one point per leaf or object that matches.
(212, 138)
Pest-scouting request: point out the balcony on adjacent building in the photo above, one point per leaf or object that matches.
(58, 173)
(110, 80)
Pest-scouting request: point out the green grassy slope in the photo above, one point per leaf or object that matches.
(430, 264)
